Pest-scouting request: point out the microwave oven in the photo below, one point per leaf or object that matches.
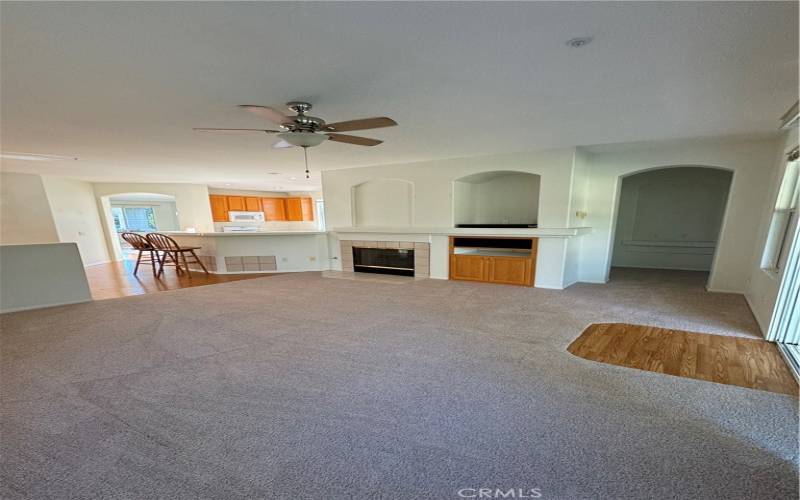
(246, 216)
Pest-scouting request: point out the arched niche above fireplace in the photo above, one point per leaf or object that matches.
(498, 197)
(383, 202)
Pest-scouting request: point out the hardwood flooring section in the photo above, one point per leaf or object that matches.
(752, 363)
(116, 279)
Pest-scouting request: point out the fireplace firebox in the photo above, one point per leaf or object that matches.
(397, 261)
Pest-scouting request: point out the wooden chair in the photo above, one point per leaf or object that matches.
(171, 250)
(140, 243)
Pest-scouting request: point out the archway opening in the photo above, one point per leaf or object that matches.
(497, 198)
(670, 218)
(137, 213)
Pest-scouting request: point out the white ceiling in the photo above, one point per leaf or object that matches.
(120, 85)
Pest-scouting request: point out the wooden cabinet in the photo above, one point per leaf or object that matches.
(468, 267)
(307, 208)
(510, 270)
(294, 209)
(252, 204)
(510, 261)
(219, 207)
(274, 208)
(236, 204)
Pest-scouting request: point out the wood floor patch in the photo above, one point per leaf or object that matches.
(752, 363)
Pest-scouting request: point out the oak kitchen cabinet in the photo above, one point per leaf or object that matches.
(274, 209)
(219, 207)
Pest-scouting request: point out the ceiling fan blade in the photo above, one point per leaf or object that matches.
(362, 124)
(204, 129)
(353, 139)
(282, 144)
(268, 113)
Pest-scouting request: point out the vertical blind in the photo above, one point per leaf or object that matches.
(785, 323)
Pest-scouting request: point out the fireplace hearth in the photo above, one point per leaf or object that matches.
(396, 261)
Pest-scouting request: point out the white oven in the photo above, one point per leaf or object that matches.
(246, 216)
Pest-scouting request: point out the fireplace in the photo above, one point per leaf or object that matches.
(398, 261)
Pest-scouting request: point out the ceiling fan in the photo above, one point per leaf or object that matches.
(307, 131)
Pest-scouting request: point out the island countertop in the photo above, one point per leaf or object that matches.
(243, 233)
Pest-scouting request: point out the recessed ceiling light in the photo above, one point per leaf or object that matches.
(579, 41)
(293, 178)
(33, 157)
(227, 183)
(273, 173)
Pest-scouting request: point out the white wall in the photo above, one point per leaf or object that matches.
(76, 217)
(762, 286)
(751, 161)
(497, 198)
(433, 185)
(670, 218)
(41, 275)
(383, 202)
(25, 215)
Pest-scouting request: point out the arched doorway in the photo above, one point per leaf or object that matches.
(138, 213)
(670, 218)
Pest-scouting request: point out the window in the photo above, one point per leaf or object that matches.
(139, 219)
(320, 215)
(784, 218)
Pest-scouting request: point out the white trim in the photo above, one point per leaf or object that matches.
(43, 306)
(723, 290)
(790, 361)
(99, 262)
(759, 321)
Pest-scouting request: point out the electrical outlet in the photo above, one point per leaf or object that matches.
(284, 259)
(312, 258)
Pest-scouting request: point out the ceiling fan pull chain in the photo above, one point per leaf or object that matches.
(305, 155)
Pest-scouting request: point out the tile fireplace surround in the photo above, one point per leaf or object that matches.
(422, 256)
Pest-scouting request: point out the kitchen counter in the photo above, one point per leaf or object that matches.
(258, 251)
(243, 233)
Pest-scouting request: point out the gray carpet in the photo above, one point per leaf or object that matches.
(296, 386)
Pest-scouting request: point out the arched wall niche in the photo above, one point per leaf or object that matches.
(496, 197)
(383, 203)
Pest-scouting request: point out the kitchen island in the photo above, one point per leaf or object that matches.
(258, 251)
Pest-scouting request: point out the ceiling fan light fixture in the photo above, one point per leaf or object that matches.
(303, 139)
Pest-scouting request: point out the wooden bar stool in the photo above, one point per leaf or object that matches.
(174, 252)
(145, 249)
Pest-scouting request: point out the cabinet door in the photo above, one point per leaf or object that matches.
(219, 208)
(510, 270)
(274, 208)
(252, 204)
(236, 204)
(294, 209)
(468, 267)
(307, 208)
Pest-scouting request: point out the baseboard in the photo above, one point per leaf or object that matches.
(98, 263)
(44, 306)
(722, 290)
(761, 325)
(548, 287)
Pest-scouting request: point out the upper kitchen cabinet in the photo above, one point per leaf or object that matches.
(274, 209)
(252, 204)
(236, 204)
(294, 209)
(307, 207)
(219, 207)
(299, 209)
